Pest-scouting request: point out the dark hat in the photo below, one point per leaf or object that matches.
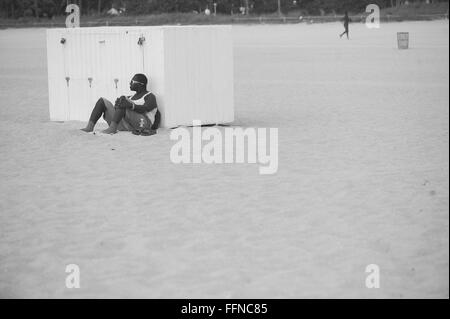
(141, 78)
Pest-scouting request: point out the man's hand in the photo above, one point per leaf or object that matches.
(127, 103)
(118, 102)
(123, 103)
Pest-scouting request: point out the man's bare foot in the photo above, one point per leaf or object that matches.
(89, 127)
(110, 130)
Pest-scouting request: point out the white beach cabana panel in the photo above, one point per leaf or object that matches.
(190, 69)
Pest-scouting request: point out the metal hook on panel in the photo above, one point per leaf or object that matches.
(67, 80)
(141, 40)
(116, 81)
(90, 82)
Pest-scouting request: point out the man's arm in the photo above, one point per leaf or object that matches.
(149, 105)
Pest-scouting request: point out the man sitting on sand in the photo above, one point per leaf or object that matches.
(138, 113)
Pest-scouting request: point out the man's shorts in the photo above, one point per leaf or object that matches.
(130, 122)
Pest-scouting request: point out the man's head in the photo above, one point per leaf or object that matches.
(138, 82)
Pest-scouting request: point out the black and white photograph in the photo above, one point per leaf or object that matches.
(224, 150)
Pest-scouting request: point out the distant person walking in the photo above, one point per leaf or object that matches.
(347, 21)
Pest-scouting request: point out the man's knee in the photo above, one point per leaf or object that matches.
(107, 105)
(101, 102)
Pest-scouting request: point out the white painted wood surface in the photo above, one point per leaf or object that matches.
(190, 70)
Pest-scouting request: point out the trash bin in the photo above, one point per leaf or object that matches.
(403, 40)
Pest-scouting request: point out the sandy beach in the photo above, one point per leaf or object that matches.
(363, 178)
